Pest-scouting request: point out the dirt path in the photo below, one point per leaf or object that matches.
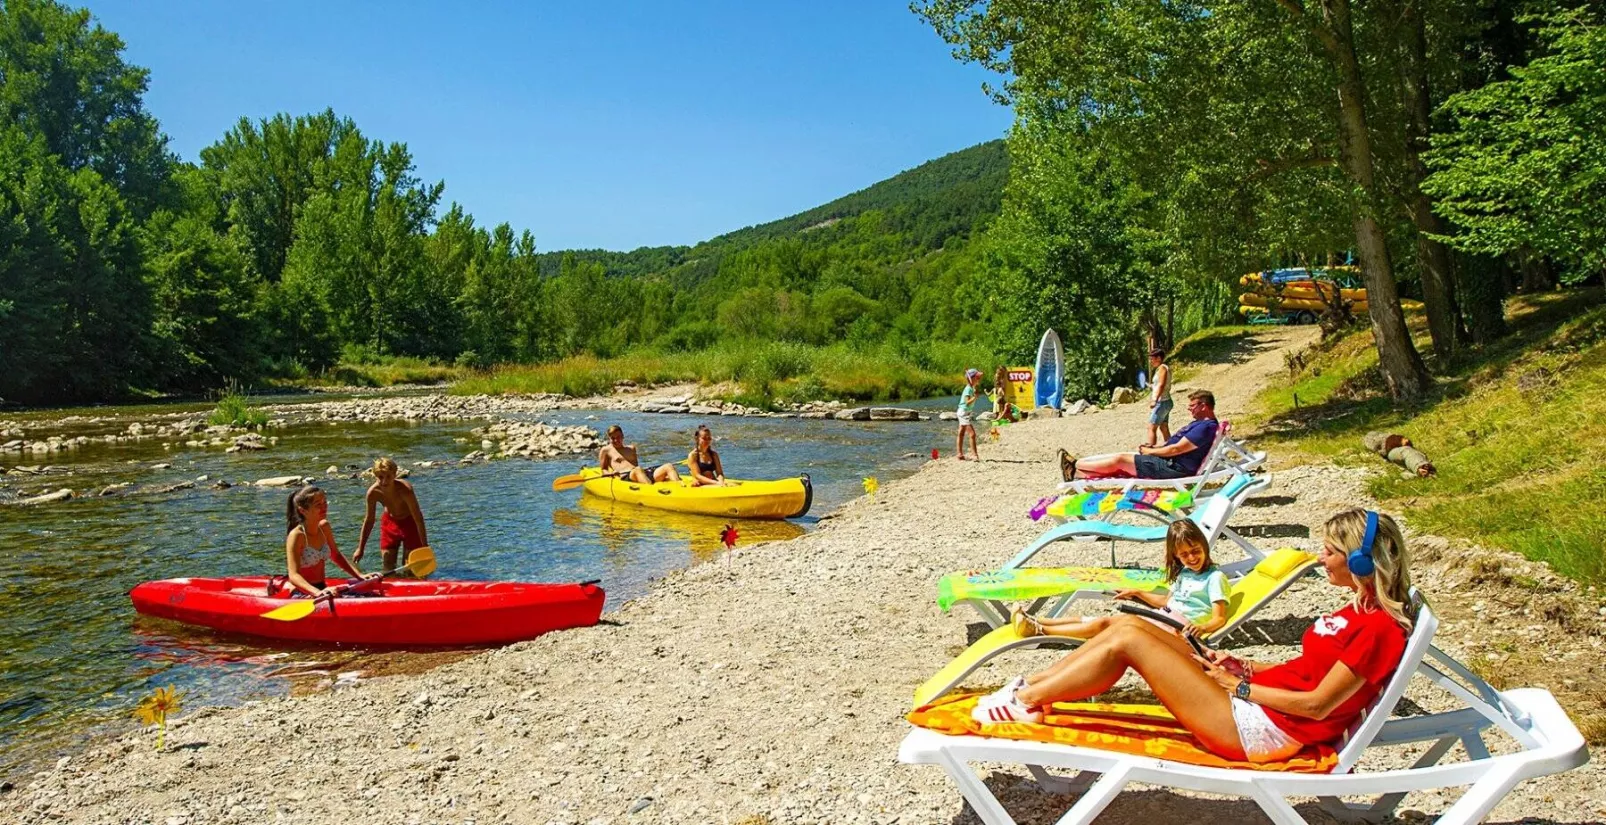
(764, 688)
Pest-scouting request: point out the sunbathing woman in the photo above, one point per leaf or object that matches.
(1242, 709)
(1197, 597)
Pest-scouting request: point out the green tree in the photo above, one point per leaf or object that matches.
(63, 78)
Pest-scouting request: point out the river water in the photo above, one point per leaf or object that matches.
(75, 658)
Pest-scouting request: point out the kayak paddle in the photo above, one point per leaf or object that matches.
(573, 480)
(420, 562)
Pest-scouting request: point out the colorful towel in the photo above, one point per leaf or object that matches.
(1026, 583)
(1099, 502)
(1140, 730)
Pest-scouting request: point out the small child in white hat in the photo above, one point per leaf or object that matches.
(967, 415)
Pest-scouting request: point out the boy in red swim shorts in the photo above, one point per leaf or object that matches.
(402, 524)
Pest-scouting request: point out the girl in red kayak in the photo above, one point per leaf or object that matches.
(401, 527)
(309, 543)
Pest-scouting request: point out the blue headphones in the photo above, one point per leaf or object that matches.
(1360, 559)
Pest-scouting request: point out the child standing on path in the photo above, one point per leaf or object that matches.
(402, 525)
(1160, 399)
(967, 422)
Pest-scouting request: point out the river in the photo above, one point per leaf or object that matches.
(76, 658)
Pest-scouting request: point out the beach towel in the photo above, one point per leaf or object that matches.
(1140, 730)
(1027, 583)
(1096, 503)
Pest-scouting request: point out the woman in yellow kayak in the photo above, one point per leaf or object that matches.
(706, 471)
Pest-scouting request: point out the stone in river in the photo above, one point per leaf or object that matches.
(279, 481)
(854, 414)
(893, 414)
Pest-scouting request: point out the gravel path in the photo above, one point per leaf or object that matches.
(768, 687)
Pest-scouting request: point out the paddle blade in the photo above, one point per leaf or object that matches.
(420, 562)
(299, 609)
(568, 482)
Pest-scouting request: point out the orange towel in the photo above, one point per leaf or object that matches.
(1138, 730)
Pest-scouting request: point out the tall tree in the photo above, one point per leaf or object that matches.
(63, 78)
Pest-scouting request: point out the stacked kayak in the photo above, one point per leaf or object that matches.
(1304, 292)
(402, 613)
(782, 498)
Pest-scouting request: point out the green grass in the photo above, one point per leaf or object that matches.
(1514, 431)
(386, 371)
(233, 410)
(755, 374)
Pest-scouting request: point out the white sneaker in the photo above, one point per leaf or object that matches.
(1005, 706)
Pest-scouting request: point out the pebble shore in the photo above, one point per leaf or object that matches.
(768, 686)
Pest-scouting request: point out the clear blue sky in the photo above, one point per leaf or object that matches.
(593, 124)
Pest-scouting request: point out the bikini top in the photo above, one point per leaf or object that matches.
(311, 555)
(707, 467)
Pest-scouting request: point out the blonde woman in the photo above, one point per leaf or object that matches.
(1244, 709)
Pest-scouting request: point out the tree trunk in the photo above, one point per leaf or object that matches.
(1483, 293)
(1438, 279)
(1402, 368)
(1536, 273)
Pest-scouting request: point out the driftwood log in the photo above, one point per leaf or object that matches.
(1397, 448)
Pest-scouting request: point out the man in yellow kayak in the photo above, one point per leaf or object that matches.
(618, 458)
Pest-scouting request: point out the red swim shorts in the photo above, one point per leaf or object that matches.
(394, 533)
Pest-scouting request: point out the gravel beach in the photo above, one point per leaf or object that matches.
(769, 686)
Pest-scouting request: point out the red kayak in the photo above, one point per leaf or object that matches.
(403, 612)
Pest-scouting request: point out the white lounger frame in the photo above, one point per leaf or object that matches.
(1549, 742)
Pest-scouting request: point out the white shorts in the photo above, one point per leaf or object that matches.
(1262, 740)
(965, 419)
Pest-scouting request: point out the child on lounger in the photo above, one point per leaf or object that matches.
(1198, 593)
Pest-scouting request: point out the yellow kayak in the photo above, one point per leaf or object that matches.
(782, 498)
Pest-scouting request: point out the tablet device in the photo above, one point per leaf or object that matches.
(1163, 618)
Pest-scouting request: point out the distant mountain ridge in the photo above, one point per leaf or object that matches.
(929, 204)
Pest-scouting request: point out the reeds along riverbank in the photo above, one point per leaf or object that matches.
(760, 374)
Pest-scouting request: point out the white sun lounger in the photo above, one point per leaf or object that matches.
(1548, 743)
(1226, 458)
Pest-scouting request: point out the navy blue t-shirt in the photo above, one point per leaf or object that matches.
(1202, 435)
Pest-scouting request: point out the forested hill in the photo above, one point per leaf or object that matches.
(932, 202)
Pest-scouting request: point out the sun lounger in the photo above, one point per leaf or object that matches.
(969, 586)
(1250, 591)
(1546, 739)
(1226, 458)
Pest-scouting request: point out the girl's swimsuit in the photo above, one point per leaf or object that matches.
(705, 467)
(310, 555)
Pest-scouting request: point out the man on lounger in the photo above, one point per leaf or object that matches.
(1178, 458)
(618, 457)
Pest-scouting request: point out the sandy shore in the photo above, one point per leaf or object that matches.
(769, 687)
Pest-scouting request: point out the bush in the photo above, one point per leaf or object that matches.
(690, 337)
(233, 411)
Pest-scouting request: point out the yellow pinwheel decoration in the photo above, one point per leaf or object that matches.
(993, 434)
(155, 708)
(871, 485)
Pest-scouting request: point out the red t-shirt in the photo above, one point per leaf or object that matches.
(1369, 643)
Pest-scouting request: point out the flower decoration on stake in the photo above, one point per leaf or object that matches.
(934, 453)
(155, 708)
(728, 537)
(993, 434)
(871, 485)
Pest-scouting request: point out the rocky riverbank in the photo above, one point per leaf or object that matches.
(771, 687)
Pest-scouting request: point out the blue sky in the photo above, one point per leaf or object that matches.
(593, 124)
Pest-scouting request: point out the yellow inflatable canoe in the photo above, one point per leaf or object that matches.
(1309, 291)
(782, 498)
(1251, 299)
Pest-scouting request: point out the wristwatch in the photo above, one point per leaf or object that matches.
(1242, 691)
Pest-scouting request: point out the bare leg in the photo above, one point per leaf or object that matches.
(1192, 697)
(640, 476)
(974, 453)
(1106, 464)
(1149, 442)
(1077, 628)
(1165, 431)
(959, 443)
(666, 473)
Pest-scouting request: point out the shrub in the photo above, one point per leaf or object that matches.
(233, 411)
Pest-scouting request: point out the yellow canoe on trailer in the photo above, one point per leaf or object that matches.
(781, 498)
